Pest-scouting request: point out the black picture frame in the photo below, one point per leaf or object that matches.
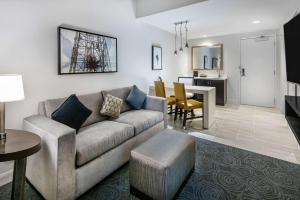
(59, 35)
(205, 61)
(214, 63)
(156, 58)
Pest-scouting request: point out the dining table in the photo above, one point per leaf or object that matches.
(209, 100)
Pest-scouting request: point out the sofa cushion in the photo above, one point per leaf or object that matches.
(121, 93)
(140, 119)
(136, 98)
(71, 113)
(91, 101)
(96, 139)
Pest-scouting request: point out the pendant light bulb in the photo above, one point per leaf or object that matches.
(175, 51)
(181, 49)
(186, 31)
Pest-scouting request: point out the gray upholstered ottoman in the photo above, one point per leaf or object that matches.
(159, 166)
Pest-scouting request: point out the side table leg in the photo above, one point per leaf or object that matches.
(18, 183)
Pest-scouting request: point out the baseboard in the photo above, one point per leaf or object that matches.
(233, 101)
(6, 177)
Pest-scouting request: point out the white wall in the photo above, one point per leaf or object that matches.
(281, 72)
(231, 56)
(28, 46)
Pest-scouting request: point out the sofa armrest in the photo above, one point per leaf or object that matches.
(52, 169)
(157, 104)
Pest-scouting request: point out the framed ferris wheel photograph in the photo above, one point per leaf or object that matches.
(81, 52)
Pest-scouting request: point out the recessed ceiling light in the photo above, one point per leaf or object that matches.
(256, 22)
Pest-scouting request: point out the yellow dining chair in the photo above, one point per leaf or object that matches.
(161, 92)
(187, 105)
(187, 81)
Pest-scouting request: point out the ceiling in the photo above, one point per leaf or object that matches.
(222, 17)
(146, 7)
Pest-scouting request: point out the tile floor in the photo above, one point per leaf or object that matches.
(257, 129)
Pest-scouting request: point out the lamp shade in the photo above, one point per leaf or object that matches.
(11, 87)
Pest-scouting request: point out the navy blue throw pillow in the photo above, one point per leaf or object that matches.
(136, 98)
(71, 113)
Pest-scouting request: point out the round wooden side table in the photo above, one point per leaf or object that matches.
(17, 146)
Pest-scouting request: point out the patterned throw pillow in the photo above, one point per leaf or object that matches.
(112, 106)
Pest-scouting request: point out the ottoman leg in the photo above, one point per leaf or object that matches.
(139, 194)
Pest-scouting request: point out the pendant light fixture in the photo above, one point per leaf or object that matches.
(181, 23)
(181, 49)
(175, 52)
(186, 31)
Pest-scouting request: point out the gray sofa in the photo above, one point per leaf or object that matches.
(71, 163)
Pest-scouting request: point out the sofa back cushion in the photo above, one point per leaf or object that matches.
(91, 101)
(121, 93)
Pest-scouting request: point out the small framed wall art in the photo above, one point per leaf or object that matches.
(156, 57)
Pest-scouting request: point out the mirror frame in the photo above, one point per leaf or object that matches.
(192, 56)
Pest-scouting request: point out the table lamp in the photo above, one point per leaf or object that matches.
(11, 89)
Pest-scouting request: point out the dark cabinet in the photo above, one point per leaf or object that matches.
(221, 89)
(292, 114)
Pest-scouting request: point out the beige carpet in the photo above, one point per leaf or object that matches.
(257, 129)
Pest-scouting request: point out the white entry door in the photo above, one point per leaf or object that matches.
(258, 71)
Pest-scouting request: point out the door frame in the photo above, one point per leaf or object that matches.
(275, 65)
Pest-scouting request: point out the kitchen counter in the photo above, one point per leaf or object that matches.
(219, 83)
(212, 78)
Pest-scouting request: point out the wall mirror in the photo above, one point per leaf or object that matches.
(207, 57)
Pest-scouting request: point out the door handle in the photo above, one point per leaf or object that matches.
(243, 72)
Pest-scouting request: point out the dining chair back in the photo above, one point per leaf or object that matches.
(160, 89)
(180, 94)
(187, 81)
(185, 105)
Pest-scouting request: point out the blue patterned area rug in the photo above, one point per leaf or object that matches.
(221, 172)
